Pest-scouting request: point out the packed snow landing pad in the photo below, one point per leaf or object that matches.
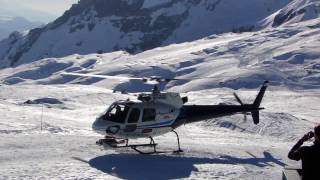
(225, 148)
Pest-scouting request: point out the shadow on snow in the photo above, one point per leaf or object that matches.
(136, 166)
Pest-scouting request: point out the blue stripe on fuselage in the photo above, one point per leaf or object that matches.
(157, 124)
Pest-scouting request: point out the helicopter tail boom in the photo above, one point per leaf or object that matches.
(196, 113)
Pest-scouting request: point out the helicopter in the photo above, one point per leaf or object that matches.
(157, 113)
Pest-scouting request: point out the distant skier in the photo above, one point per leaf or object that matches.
(310, 155)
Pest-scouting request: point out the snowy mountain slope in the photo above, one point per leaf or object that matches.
(288, 56)
(94, 26)
(294, 12)
(11, 24)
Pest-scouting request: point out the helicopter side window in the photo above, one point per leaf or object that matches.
(134, 115)
(149, 114)
(117, 113)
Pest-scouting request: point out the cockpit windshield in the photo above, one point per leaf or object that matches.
(117, 113)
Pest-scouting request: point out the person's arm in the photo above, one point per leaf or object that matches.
(296, 152)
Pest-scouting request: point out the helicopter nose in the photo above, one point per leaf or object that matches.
(99, 126)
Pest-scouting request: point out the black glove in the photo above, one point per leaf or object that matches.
(307, 136)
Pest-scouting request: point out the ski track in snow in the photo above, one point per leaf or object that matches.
(213, 149)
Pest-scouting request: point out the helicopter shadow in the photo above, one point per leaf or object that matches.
(136, 166)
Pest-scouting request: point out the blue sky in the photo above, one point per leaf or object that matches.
(36, 10)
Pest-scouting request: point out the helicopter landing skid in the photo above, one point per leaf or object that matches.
(124, 143)
(155, 151)
(110, 141)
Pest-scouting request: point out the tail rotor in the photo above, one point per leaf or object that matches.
(255, 107)
(238, 99)
(242, 104)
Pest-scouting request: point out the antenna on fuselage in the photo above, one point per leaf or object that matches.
(155, 89)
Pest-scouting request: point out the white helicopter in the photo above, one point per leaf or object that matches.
(157, 113)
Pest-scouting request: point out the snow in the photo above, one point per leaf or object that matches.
(295, 12)
(46, 117)
(240, 14)
(231, 60)
(66, 145)
(223, 148)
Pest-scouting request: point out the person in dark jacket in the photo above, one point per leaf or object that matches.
(309, 155)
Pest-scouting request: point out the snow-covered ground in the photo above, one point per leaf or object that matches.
(225, 148)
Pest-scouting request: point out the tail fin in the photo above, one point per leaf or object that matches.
(260, 95)
(257, 102)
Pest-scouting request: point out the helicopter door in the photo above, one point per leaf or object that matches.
(133, 120)
(149, 114)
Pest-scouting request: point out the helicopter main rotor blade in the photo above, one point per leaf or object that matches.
(150, 79)
(102, 76)
(144, 79)
(238, 99)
